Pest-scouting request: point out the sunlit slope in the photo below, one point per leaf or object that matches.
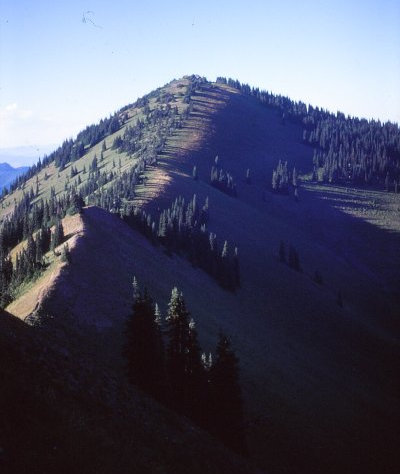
(52, 178)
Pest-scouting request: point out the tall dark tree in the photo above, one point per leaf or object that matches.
(227, 419)
(194, 376)
(57, 237)
(177, 347)
(144, 349)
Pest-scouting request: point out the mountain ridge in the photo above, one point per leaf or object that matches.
(8, 173)
(311, 368)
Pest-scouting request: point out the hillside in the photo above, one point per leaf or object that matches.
(61, 412)
(319, 379)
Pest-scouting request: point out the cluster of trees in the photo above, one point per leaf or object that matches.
(165, 360)
(70, 150)
(182, 229)
(28, 262)
(155, 126)
(280, 178)
(222, 180)
(31, 222)
(283, 180)
(148, 136)
(346, 149)
(354, 150)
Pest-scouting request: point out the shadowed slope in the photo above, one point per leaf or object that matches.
(62, 411)
(313, 375)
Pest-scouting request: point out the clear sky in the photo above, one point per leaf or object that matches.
(59, 73)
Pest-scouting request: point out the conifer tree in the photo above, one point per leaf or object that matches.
(135, 286)
(227, 419)
(57, 236)
(177, 348)
(194, 376)
(294, 178)
(143, 349)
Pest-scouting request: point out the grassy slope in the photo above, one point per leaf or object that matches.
(312, 377)
(61, 413)
(330, 369)
(30, 295)
(319, 381)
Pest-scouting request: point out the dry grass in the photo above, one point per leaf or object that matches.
(33, 295)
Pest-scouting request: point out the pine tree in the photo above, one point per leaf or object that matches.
(227, 419)
(57, 236)
(294, 178)
(194, 376)
(65, 253)
(144, 349)
(135, 286)
(177, 348)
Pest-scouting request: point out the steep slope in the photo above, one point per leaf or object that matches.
(61, 412)
(313, 375)
(31, 295)
(319, 380)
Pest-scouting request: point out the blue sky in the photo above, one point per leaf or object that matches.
(59, 73)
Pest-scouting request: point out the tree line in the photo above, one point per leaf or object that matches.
(31, 223)
(346, 149)
(181, 229)
(222, 180)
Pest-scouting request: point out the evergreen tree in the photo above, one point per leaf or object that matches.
(177, 348)
(57, 236)
(143, 349)
(227, 419)
(294, 178)
(65, 253)
(135, 286)
(194, 376)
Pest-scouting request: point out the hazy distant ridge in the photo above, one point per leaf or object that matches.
(8, 173)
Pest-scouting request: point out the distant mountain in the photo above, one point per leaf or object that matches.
(8, 173)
